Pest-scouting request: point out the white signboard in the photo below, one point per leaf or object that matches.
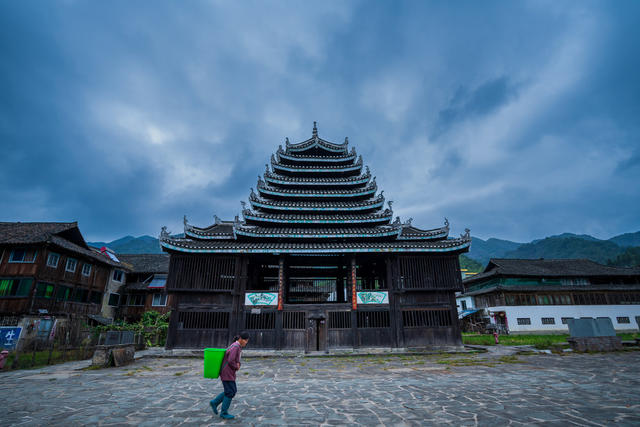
(373, 297)
(261, 298)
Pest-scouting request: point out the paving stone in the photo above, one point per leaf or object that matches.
(376, 390)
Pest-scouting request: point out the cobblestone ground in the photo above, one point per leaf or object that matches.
(478, 389)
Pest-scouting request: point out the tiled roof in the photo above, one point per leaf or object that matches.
(371, 188)
(299, 180)
(317, 168)
(31, 232)
(376, 217)
(289, 232)
(146, 263)
(548, 268)
(315, 158)
(22, 233)
(217, 246)
(319, 206)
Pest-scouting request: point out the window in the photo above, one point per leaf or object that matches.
(339, 319)
(373, 319)
(95, 297)
(23, 255)
(117, 275)
(293, 320)
(203, 320)
(52, 260)
(44, 290)
(426, 318)
(259, 321)
(114, 300)
(565, 320)
(71, 265)
(623, 320)
(86, 269)
(135, 299)
(548, 321)
(159, 300)
(524, 321)
(63, 293)
(80, 295)
(464, 304)
(15, 287)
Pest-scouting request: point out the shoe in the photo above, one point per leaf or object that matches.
(216, 402)
(226, 402)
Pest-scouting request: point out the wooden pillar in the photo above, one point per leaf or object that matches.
(393, 273)
(279, 314)
(280, 283)
(354, 299)
(354, 303)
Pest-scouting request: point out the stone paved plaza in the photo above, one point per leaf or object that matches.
(457, 389)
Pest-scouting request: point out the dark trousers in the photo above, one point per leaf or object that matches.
(230, 388)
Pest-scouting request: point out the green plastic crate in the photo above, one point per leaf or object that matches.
(213, 361)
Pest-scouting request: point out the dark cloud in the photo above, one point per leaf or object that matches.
(482, 100)
(516, 119)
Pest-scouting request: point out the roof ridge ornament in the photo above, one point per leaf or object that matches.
(253, 193)
(216, 219)
(164, 234)
(260, 181)
(466, 235)
(446, 223)
(273, 159)
(367, 169)
(244, 205)
(353, 149)
(280, 150)
(390, 202)
(315, 130)
(184, 220)
(266, 165)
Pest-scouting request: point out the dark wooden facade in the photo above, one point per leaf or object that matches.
(315, 265)
(47, 287)
(146, 280)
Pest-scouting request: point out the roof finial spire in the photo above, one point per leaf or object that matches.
(185, 220)
(286, 141)
(315, 130)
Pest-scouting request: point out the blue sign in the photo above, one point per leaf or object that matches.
(9, 336)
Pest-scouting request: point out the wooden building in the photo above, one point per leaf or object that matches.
(145, 289)
(48, 274)
(316, 262)
(540, 295)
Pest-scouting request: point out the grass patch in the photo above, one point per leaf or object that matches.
(538, 341)
(177, 374)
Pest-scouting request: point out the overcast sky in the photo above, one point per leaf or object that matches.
(518, 120)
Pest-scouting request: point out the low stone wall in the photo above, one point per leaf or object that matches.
(583, 344)
(113, 355)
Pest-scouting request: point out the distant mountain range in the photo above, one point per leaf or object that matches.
(566, 245)
(622, 250)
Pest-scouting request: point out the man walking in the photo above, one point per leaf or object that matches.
(230, 364)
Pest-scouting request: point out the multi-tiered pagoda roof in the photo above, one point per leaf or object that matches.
(315, 197)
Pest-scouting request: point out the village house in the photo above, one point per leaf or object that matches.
(540, 295)
(145, 289)
(50, 280)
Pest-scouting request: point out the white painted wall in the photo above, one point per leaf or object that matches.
(537, 312)
(469, 301)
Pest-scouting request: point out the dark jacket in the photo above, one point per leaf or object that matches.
(231, 362)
